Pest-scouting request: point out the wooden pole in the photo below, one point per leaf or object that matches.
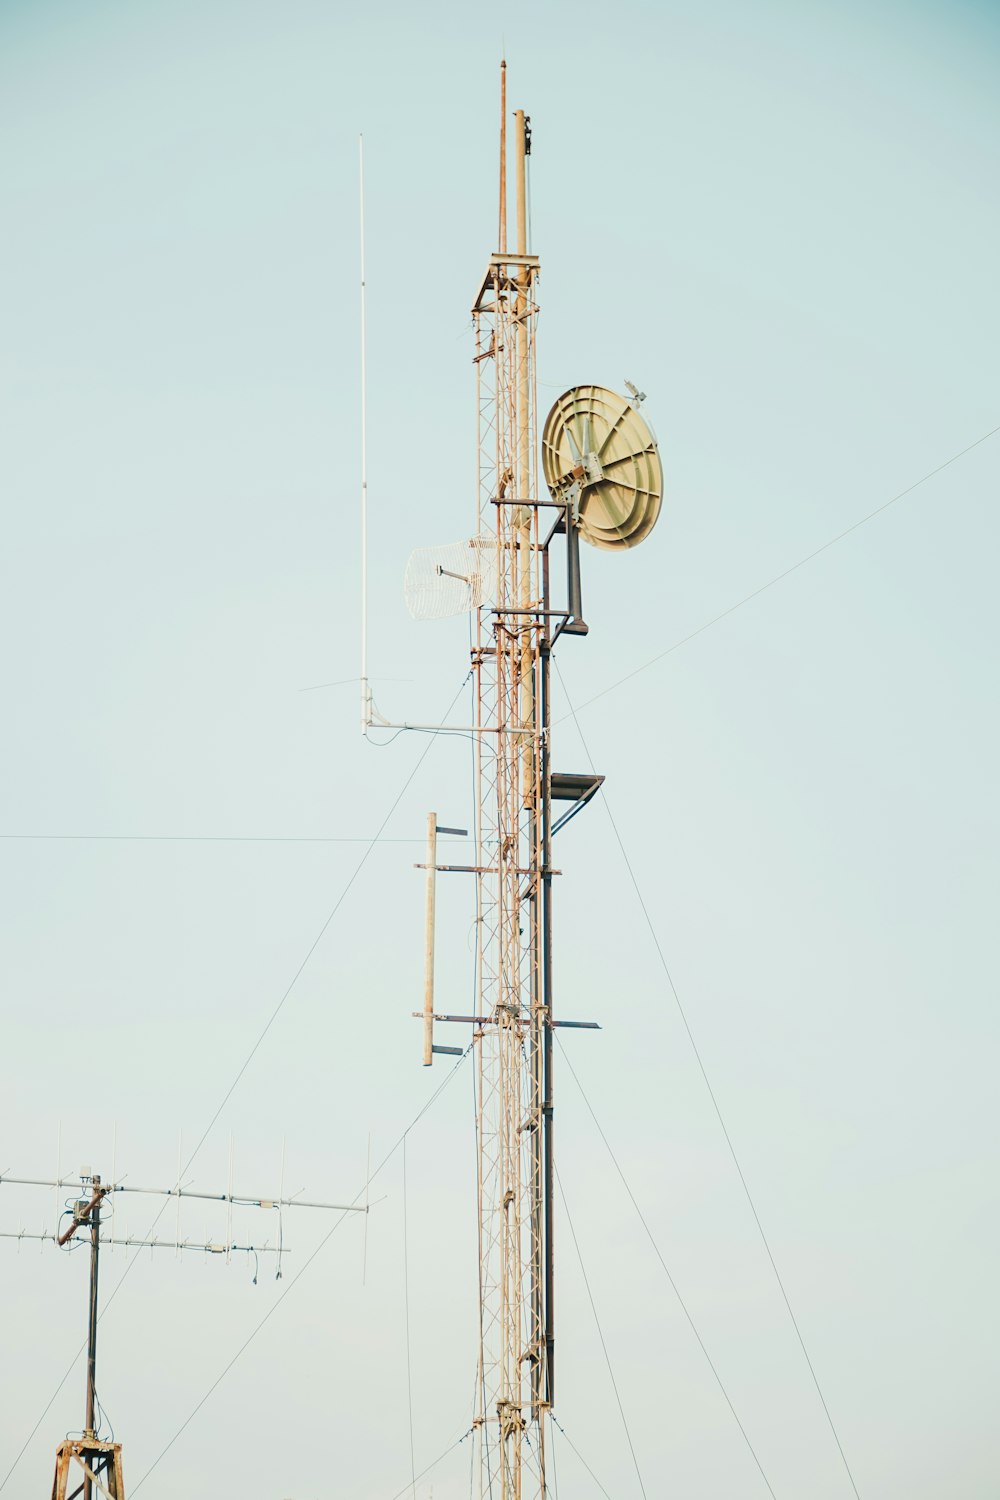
(429, 942)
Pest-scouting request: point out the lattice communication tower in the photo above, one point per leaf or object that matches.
(604, 484)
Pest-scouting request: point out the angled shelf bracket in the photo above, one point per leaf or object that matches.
(577, 788)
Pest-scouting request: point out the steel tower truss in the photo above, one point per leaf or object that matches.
(513, 1047)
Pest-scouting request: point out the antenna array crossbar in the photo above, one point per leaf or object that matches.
(239, 1200)
(136, 1242)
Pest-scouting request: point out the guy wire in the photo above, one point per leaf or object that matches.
(715, 1103)
(232, 1087)
(673, 1285)
(779, 577)
(600, 1332)
(579, 1456)
(304, 1268)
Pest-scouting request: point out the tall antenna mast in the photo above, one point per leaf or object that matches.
(604, 480)
(514, 1114)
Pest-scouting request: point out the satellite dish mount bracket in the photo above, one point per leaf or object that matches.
(575, 625)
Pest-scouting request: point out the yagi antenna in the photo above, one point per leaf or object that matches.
(100, 1460)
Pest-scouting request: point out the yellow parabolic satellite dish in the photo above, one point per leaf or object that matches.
(597, 439)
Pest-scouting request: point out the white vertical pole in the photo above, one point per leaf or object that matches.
(58, 1172)
(229, 1205)
(114, 1165)
(365, 692)
(180, 1168)
(368, 1176)
(281, 1194)
(429, 941)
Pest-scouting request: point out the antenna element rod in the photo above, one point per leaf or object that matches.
(429, 941)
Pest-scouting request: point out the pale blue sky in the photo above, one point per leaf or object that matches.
(781, 221)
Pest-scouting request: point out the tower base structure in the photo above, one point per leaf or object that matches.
(86, 1466)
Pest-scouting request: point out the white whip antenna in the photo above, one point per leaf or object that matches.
(366, 700)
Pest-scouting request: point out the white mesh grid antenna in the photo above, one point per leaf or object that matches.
(450, 579)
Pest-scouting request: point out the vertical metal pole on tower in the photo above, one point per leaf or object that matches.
(229, 1200)
(545, 774)
(90, 1429)
(502, 235)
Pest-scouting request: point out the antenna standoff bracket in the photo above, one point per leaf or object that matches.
(576, 787)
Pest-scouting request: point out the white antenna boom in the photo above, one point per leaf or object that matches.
(138, 1243)
(241, 1200)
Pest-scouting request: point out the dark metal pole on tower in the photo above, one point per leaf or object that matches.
(95, 1251)
(90, 1214)
(545, 720)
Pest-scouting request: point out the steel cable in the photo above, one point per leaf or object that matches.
(434, 1463)
(580, 1456)
(241, 1071)
(715, 620)
(715, 1103)
(779, 577)
(400, 1141)
(600, 1333)
(673, 1285)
